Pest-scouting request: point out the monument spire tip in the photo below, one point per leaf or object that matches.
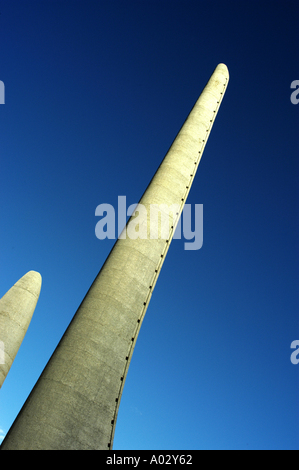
(223, 69)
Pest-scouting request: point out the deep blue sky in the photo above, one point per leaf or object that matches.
(95, 94)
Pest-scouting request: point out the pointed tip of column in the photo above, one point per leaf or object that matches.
(222, 68)
(31, 281)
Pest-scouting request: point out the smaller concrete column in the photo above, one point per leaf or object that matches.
(16, 310)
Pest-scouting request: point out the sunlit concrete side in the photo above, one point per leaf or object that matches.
(75, 402)
(16, 310)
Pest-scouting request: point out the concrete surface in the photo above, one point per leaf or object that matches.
(16, 310)
(75, 402)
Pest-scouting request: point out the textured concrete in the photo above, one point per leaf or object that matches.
(75, 402)
(16, 310)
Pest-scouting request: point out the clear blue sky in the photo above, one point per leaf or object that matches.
(95, 94)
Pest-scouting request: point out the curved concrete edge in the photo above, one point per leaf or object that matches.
(16, 310)
(222, 68)
(32, 281)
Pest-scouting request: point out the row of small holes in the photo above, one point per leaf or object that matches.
(156, 270)
(208, 130)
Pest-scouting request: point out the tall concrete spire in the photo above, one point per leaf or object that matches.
(75, 402)
(16, 310)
